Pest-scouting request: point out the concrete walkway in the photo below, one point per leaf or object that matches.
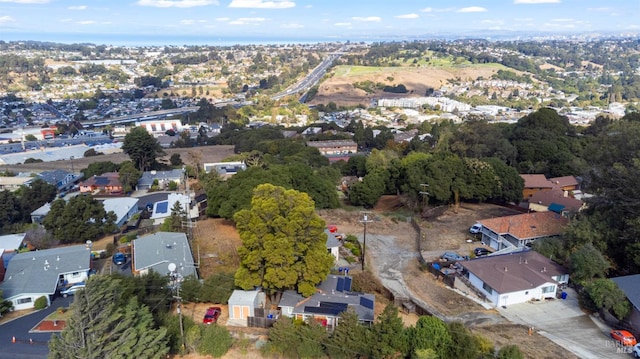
(563, 322)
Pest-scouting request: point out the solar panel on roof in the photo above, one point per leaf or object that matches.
(323, 310)
(102, 180)
(347, 284)
(366, 302)
(162, 207)
(340, 284)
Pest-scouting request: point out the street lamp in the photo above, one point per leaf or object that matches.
(364, 220)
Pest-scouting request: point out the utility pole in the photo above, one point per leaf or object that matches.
(424, 193)
(176, 280)
(365, 219)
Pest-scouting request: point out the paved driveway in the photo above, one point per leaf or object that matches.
(564, 323)
(20, 327)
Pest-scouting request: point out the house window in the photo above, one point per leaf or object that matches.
(487, 288)
(549, 289)
(75, 274)
(24, 300)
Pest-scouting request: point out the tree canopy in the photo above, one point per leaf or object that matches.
(142, 148)
(80, 219)
(100, 328)
(283, 242)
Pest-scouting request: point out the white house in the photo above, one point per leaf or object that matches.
(31, 275)
(333, 245)
(12, 242)
(162, 209)
(515, 278)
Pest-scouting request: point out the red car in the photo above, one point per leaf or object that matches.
(623, 337)
(212, 314)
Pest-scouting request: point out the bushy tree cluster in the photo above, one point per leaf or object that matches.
(80, 219)
(386, 338)
(16, 207)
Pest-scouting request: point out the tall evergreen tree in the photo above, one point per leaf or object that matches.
(142, 148)
(99, 328)
(283, 242)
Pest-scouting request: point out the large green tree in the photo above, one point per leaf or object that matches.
(80, 219)
(34, 196)
(283, 242)
(142, 148)
(100, 328)
(430, 333)
(129, 176)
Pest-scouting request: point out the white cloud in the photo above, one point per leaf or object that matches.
(176, 3)
(492, 22)
(86, 22)
(292, 26)
(598, 9)
(342, 24)
(222, 19)
(367, 19)
(27, 1)
(247, 20)
(66, 20)
(6, 19)
(80, 7)
(472, 9)
(426, 9)
(536, 1)
(262, 4)
(308, 6)
(562, 20)
(408, 16)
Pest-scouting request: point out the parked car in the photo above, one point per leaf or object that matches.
(623, 337)
(481, 251)
(119, 258)
(212, 314)
(636, 351)
(72, 290)
(452, 256)
(475, 229)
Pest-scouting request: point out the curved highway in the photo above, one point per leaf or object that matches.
(311, 79)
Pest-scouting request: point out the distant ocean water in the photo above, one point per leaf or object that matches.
(166, 40)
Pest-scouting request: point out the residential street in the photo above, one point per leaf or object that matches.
(20, 328)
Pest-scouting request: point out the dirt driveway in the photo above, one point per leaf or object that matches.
(392, 252)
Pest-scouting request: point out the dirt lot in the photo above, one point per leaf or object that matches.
(340, 90)
(189, 156)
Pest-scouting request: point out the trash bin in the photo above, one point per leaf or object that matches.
(564, 295)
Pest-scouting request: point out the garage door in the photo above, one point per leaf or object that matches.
(245, 312)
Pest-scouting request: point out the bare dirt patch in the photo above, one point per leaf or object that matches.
(340, 89)
(217, 242)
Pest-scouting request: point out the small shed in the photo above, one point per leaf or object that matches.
(242, 303)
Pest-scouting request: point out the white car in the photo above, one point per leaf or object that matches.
(636, 350)
(475, 229)
(72, 290)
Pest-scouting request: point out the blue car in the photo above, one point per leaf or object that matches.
(119, 258)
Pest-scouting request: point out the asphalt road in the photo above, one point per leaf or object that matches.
(20, 328)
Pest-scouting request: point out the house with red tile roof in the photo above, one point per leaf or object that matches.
(535, 183)
(522, 229)
(516, 277)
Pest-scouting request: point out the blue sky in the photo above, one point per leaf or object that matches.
(318, 19)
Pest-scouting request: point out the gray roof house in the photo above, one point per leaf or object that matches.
(38, 215)
(12, 242)
(164, 177)
(630, 285)
(156, 251)
(333, 297)
(31, 275)
(123, 207)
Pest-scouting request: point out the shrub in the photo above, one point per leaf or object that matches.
(41, 303)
